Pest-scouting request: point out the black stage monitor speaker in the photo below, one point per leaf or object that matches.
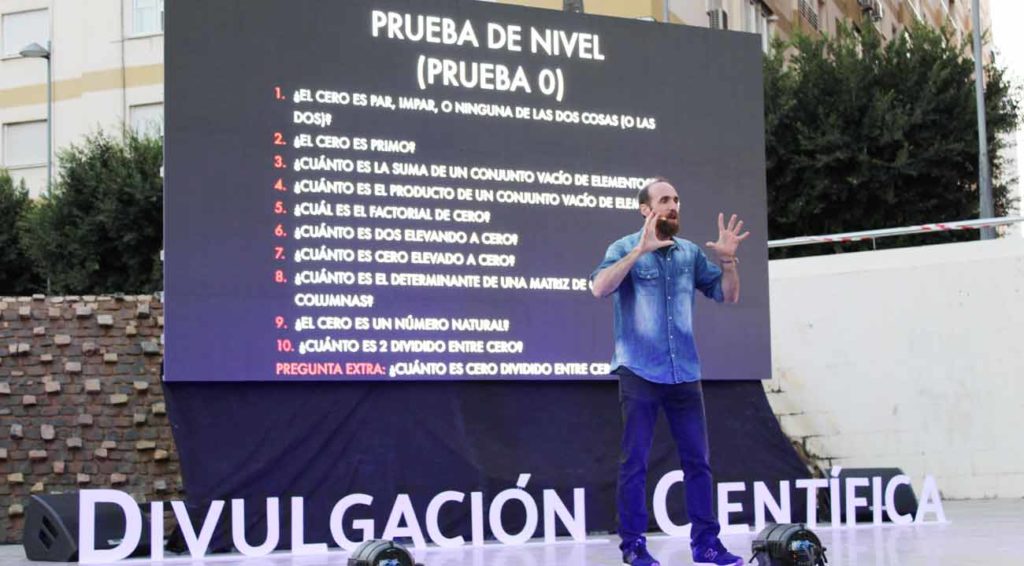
(787, 545)
(51, 528)
(381, 553)
(904, 498)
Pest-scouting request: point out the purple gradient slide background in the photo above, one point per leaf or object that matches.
(223, 59)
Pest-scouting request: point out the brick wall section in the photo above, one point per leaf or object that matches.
(81, 403)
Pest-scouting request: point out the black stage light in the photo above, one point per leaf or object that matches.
(788, 545)
(381, 553)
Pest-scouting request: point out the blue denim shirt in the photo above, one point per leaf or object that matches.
(654, 309)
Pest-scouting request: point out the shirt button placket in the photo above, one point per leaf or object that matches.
(671, 345)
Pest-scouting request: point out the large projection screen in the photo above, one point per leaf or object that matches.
(419, 190)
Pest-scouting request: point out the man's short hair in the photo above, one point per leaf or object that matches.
(644, 196)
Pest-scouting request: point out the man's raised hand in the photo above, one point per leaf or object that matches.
(729, 237)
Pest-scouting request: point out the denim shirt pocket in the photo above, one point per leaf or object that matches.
(684, 280)
(645, 277)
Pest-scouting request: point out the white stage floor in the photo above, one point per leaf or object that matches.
(978, 532)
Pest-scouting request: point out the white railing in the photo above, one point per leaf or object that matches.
(887, 232)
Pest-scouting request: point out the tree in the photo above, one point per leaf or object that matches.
(863, 134)
(101, 229)
(18, 275)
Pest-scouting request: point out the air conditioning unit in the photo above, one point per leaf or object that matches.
(575, 6)
(877, 11)
(874, 8)
(718, 19)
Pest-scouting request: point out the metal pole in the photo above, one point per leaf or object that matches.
(49, 130)
(49, 119)
(984, 173)
(665, 16)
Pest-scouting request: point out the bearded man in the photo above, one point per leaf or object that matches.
(653, 277)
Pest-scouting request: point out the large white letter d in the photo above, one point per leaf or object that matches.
(87, 500)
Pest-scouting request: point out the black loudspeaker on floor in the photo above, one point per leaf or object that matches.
(51, 528)
(904, 499)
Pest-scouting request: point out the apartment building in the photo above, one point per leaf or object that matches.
(103, 59)
(105, 68)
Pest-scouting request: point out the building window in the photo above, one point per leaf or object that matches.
(25, 144)
(915, 6)
(148, 16)
(759, 18)
(809, 10)
(147, 119)
(22, 28)
(957, 29)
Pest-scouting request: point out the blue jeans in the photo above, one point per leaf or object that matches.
(683, 403)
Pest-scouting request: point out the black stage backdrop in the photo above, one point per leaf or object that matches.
(323, 441)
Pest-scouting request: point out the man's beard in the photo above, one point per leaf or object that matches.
(667, 227)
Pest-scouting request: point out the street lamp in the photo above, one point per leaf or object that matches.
(38, 51)
(986, 207)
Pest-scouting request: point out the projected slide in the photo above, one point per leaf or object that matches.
(398, 190)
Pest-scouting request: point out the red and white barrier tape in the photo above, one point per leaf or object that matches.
(886, 232)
